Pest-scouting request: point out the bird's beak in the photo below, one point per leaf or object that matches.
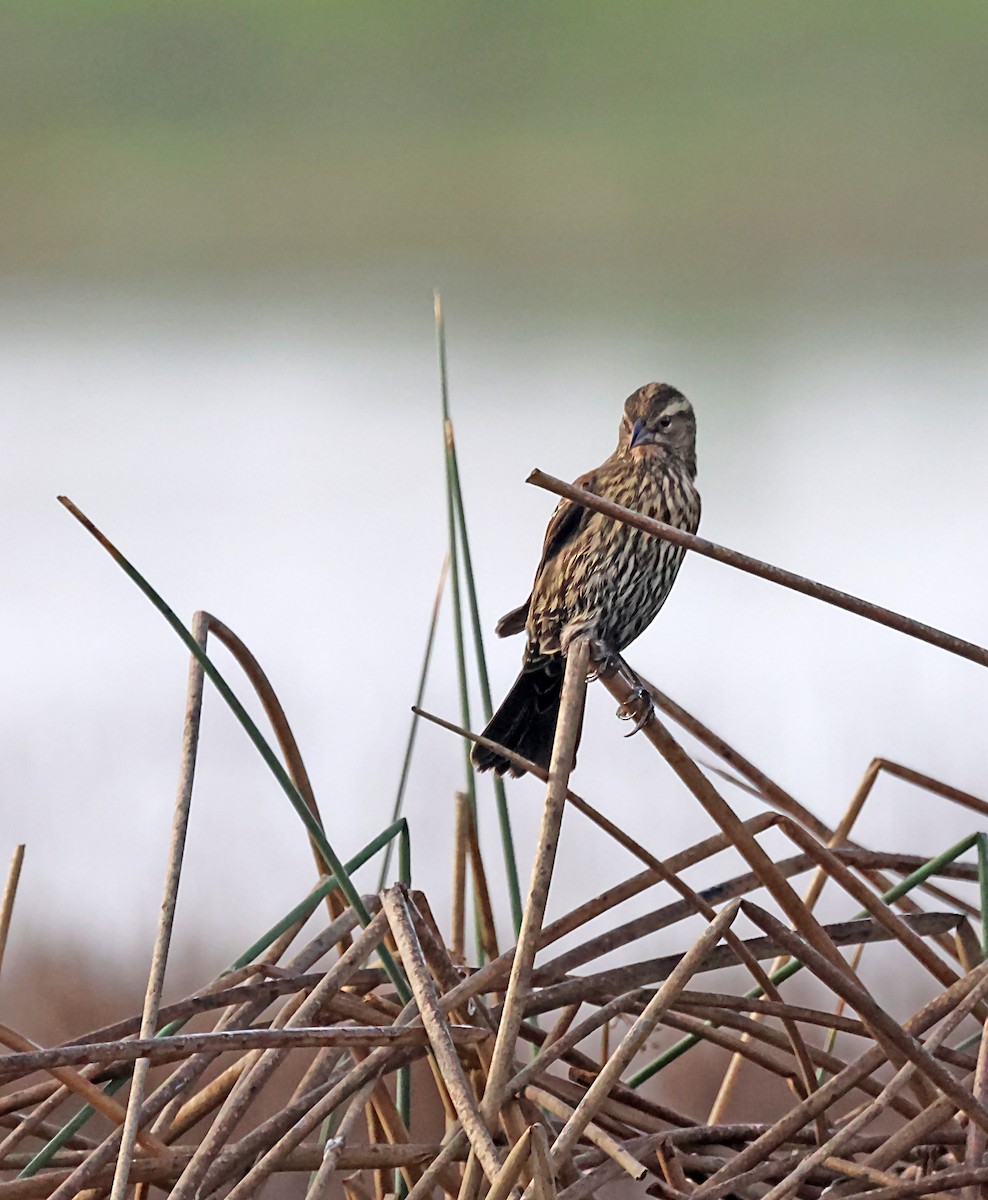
(639, 433)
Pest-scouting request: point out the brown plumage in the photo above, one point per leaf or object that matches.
(598, 577)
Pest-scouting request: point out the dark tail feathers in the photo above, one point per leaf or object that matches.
(526, 720)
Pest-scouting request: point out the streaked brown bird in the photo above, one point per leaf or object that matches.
(599, 578)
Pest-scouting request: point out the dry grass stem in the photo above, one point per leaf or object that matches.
(9, 895)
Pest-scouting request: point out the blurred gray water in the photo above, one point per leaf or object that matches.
(274, 456)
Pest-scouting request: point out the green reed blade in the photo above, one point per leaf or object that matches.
(413, 728)
(312, 825)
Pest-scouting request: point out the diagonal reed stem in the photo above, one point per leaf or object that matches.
(438, 1029)
(764, 570)
(519, 981)
(640, 1031)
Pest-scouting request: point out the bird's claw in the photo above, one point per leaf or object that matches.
(638, 707)
(605, 660)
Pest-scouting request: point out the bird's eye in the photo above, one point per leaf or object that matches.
(665, 422)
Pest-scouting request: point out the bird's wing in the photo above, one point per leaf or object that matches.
(566, 524)
(514, 621)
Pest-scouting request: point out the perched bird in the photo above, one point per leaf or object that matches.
(598, 577)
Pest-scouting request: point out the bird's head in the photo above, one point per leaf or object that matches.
(659, 418)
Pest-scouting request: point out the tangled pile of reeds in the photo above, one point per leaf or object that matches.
(532, 1073)
(568, 1117)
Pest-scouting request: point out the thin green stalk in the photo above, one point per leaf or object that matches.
(920, 875)
(70, 1129)
(454, 558)
(454, 575)
(453, 480)
(397, 829)
(413, 728)
(312, 825)
(500, 796)
(301, 911)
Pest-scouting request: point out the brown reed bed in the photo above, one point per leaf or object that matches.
(322, 1055)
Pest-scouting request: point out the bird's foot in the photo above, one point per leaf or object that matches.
(637, 708)
(605, 660)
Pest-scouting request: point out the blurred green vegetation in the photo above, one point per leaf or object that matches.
(730, 141)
